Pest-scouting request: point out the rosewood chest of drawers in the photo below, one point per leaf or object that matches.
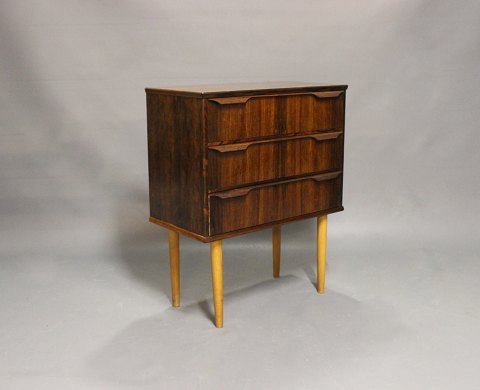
(230, 159)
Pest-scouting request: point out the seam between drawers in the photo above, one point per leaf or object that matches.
(273, 138)
(241, 191)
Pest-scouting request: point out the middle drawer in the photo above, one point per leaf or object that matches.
(239, 164)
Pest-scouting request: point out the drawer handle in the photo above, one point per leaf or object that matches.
(245, 145)
(237, 192)
(244, 99)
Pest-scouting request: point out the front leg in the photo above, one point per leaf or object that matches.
(321, 252)
(217, 281)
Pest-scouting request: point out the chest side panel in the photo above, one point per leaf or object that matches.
(175, 159)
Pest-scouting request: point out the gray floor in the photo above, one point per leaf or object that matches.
(84, 306)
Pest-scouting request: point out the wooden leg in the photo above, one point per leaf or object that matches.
(321, 252)
(276, 245)
(217, 281)
(173, 241)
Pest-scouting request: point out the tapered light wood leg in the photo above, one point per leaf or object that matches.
(173, 241)
(321, 252)
(217, 281)
(276, 246)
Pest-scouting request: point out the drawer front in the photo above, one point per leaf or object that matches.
(256, 161)
(248, 117)
(257, 205)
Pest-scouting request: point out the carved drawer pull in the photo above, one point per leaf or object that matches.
(237, 192)
(231, 100)
(233, 193)
(244, 99)
(326, 176)
(245, 145)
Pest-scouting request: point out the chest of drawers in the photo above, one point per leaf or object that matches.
(230, 159)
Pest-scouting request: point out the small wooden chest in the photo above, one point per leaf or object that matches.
(230, 159)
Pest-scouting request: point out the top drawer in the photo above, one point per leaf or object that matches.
(245, 117)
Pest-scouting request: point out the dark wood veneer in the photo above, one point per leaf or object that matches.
(176, 155)
(225, 160)
(262, 204)
(258, 161)
(272, 115)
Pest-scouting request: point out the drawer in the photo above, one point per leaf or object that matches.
(244, 163)
(260, 204)
(248, 117)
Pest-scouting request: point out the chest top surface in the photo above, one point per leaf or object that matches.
(236, 89)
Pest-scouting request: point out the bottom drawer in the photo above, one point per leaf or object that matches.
(256, 205)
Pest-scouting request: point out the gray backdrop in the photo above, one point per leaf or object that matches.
(84, 285)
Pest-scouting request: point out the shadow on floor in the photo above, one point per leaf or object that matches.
(277, 323)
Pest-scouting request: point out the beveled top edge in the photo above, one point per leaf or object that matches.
(235, 89)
